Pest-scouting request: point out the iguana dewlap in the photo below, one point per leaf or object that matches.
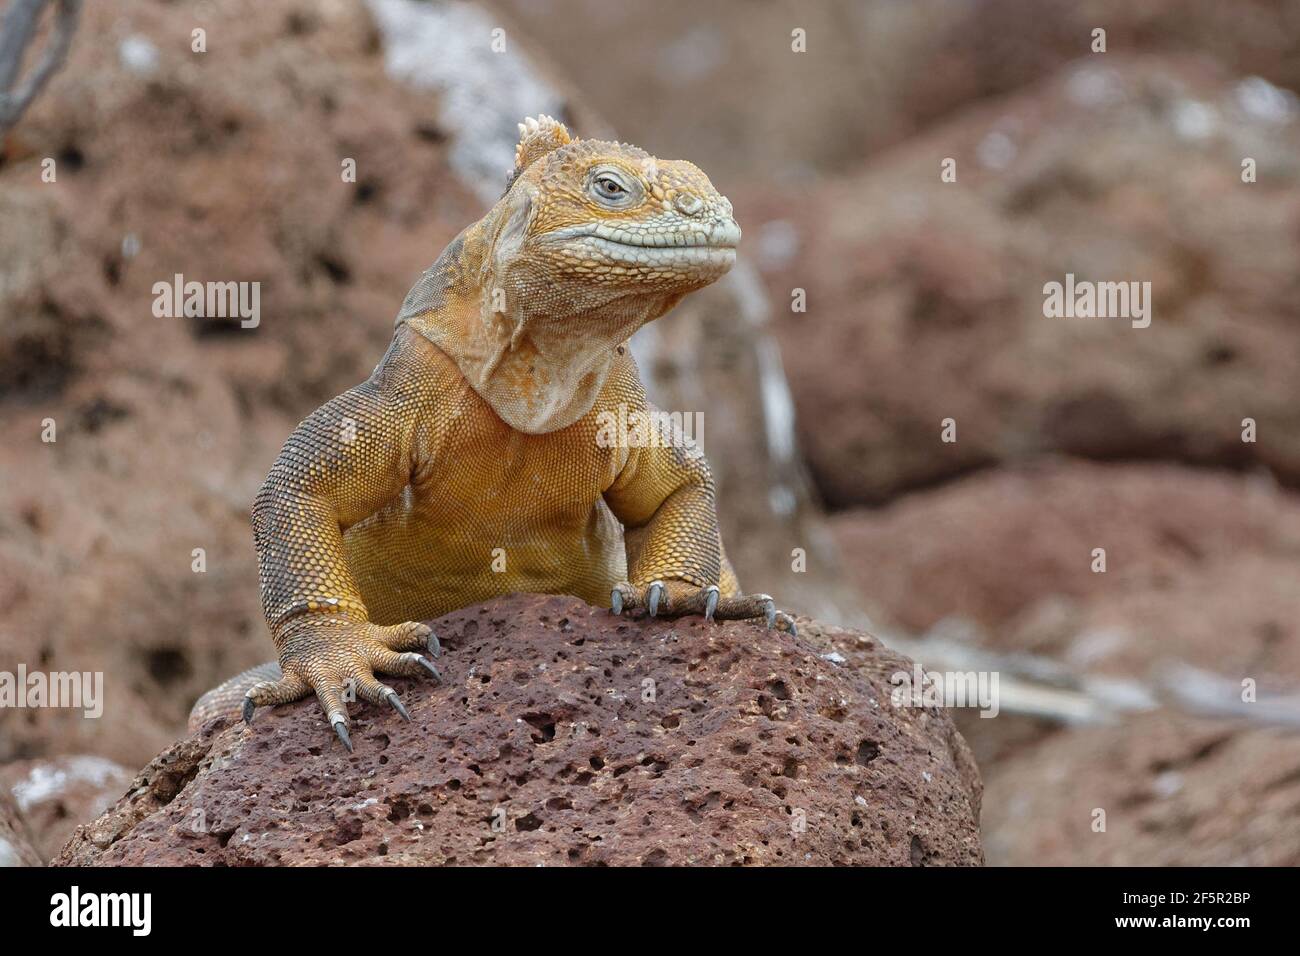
(479, 458)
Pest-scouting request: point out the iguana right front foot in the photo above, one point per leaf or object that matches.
(338, 658)
(671, 598)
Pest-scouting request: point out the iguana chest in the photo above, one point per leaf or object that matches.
(481, 472)
(490, 510)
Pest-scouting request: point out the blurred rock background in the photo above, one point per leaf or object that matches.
(924, 302)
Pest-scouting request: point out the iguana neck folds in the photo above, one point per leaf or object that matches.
(539, 367)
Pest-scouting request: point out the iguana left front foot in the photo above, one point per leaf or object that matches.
(338, 659)
(678, 598)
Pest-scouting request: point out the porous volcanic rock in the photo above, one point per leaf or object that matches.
(563, 735)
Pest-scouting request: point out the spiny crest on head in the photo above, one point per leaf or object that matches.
(537, 137)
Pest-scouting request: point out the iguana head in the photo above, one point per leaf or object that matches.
(590, 241)
(616, 217)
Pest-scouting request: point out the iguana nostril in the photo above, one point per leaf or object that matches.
(688, 204)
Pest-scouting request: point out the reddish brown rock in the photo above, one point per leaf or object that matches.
(1191, 556)
(717, 82)
(982, 49)
(563, 735)
(54, 795)
(1176, 791)
(1117, 169)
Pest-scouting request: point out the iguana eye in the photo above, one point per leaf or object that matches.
(611, 188)
(608, 187)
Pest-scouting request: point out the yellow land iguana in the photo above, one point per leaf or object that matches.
(479, 458)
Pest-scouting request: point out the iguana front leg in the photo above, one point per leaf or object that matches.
(664, 497)
(340, 465)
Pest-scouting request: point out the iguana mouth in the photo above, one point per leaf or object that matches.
(642, 255)
(720, 235)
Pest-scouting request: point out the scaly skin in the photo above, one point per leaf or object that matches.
(484, 455)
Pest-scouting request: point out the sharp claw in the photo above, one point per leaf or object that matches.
(341, 728)
(434, 645)
(248, 710)
(656, 592)
(771, 614)
(710, 603)
(428, 667)
(616, 601)
(391, 696)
